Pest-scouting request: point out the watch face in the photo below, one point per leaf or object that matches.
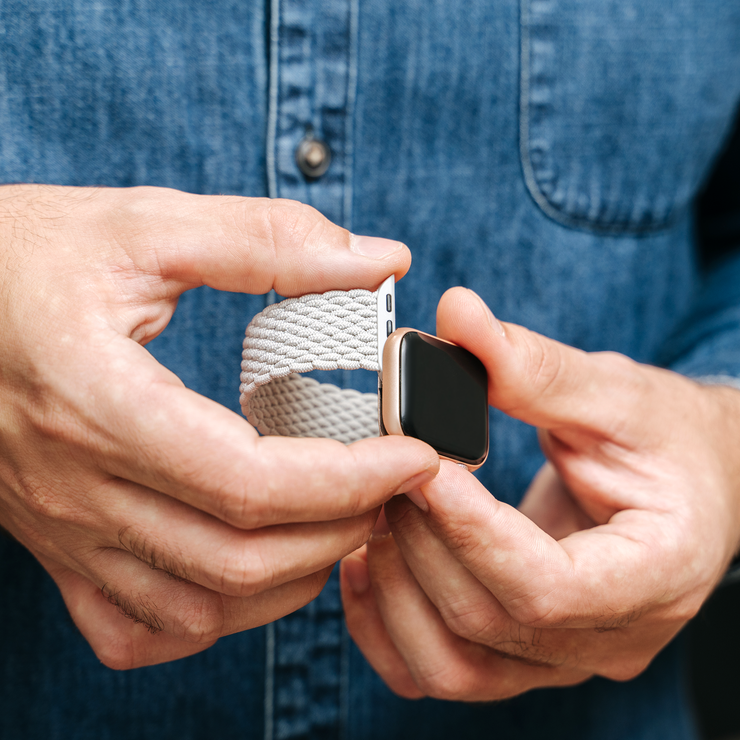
(443, 397)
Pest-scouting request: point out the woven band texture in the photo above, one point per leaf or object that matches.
(329, 331)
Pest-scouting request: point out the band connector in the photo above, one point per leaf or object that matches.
(386, 315)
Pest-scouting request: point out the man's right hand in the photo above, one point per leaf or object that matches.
(141, 498)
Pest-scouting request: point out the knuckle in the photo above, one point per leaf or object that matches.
(448, 684)
(342, 477)
(248, 231)
(201, 622)
(38, 497)
(43, 499)
(617, 361)
(359, 490)
(539, 367)
(434, 685)
(118, 654)
(624, 668)
(246, 574)
(256, 499)
(292, 231)
(543, 364)
(351, 500)
(622, 367)
(474, 625)
(310, 586)
(229, 508)
(135, 204)
(541, 612)
(688, 607)
(635, 385)
(279, 222)
(314, 583)
(363, 530)
(242, 508)
(357, 531)
(617, 620)
(56, 420)
(531, 646)
(403, 686)
(293, 221)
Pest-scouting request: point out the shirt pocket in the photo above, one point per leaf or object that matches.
(624, 104)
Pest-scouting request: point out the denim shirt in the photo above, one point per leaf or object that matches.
(545, 153)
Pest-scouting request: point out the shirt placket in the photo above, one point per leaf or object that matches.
(312, 77)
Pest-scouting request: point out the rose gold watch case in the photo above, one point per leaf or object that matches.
(389, 385)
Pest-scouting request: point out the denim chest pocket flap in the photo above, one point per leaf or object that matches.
(624, 104)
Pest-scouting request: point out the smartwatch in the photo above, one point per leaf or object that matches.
(428, 388)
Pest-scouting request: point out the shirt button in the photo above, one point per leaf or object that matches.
(312, 156)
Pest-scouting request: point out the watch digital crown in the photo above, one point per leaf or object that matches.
(428, 388)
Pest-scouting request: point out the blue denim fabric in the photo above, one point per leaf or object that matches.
(543, 153)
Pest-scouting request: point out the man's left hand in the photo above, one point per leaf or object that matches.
(621, 537)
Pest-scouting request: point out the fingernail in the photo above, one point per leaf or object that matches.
(492, 320)
(373, 246)
(416, 481)
(381, 528)
(357, 574)
(417, 497)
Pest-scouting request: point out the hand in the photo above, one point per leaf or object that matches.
(621, 537)
(141, 498)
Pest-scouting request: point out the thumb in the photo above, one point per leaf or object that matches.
(545, 383)
(251, 245)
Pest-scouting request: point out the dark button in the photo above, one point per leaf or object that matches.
(312, 156)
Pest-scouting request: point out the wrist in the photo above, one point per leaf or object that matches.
(724, 433)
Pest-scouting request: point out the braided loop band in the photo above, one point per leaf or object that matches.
(331, 331)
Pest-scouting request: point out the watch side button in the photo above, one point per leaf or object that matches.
(385, 315)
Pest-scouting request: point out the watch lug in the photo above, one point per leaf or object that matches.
(381, 426)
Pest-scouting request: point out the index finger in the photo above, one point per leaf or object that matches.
(602, 577)
(248, 245)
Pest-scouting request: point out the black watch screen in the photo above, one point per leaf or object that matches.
(444, 397)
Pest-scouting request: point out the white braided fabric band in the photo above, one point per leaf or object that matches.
(339, 330)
